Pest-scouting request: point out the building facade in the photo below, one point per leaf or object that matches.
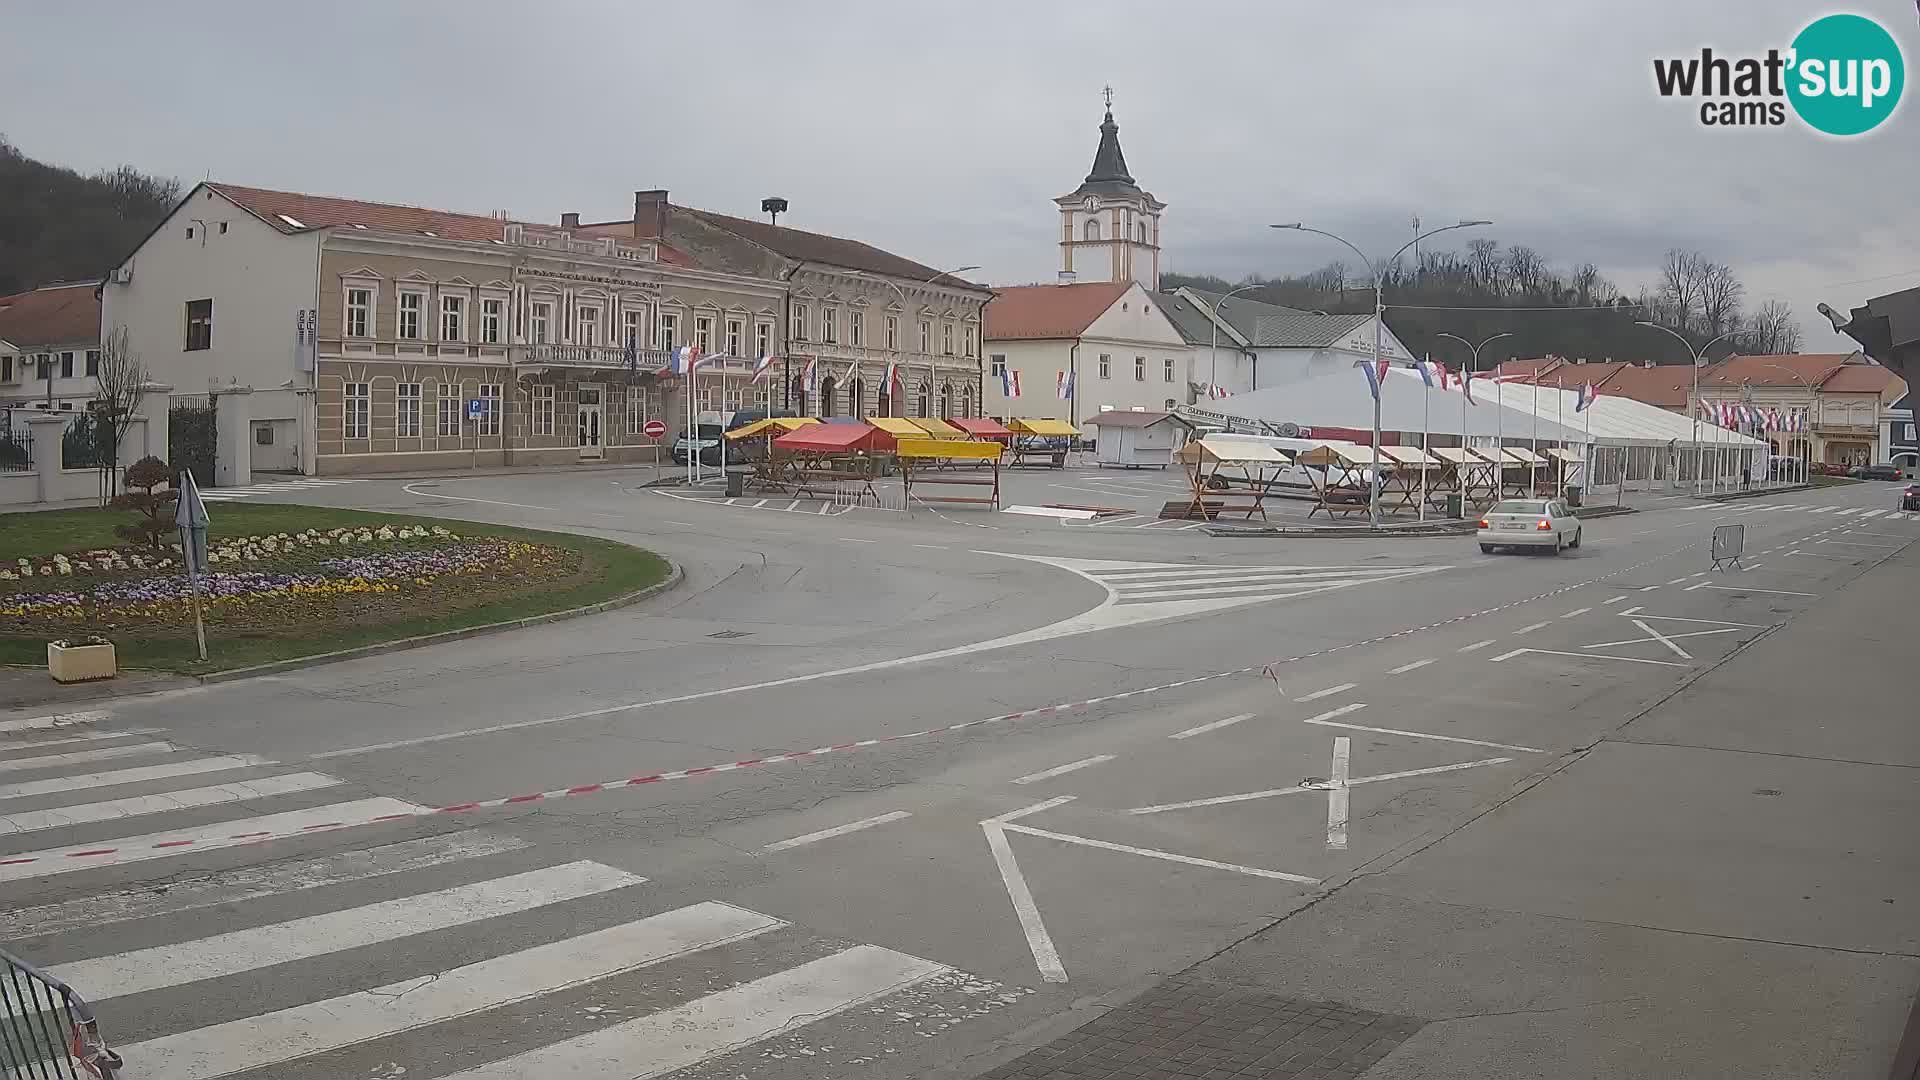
(50, 347)
(1111, 340)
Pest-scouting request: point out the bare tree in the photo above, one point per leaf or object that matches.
(1720, 295)
(1681, 282)
(122, 386)
(1525, 270)
(1483, 259)
(1773, 330)
(1584, 281)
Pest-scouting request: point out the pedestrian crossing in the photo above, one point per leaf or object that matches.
(275, 487)
(466, 955)
(1144, 582)
(1860, 513)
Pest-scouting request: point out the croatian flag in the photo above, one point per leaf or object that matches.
(1218, 392)
(1588, 395)
(761, 369)
(810, 375)
(891, 379)
(1373, 375)
(1432, 373)
(1010, 383)
(684, 358)
(1063, 385)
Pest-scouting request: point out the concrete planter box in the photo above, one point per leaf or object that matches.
(80, 663)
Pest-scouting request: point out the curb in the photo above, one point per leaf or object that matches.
(1356, 532)
(1589, 513)
(1756, 494)
(673, 579)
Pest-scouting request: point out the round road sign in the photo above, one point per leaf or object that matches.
(655, 429)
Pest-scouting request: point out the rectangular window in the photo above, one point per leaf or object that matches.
(449, 411)
(453, 317)
(411, 305)
(1166, 371)
(66, 365)
(926, 338)
(669, 330)
(972, 343)
(736, 336)
(93, 363)
(637, 410)
(763, 339)
(856, 327)
(406, 410)
(586, 326)
(946, 339)
(636, 320)
(997, 364)
(6, 368)
(489, 408)
(703, 334)
(358, 410)
(1139, 369)
(543, 408)
(199, 325)
(541, 329)
(797, 323)
(1106, 365)
(893, 332)
(359, 313)
(492, 312)
(830, 326)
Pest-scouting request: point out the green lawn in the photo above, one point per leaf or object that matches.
(1823, 480)
(610, 569)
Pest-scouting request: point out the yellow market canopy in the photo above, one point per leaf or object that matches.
(1042, 427)
(772, 425)
(940, 429)
(897, 426)
(968, 449)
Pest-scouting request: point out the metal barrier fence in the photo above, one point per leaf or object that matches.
(47, 1032)
(16, 445)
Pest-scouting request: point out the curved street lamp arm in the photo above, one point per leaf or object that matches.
(1431, 232)
(1364, 261)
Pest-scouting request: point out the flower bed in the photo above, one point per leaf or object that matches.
(300, 581)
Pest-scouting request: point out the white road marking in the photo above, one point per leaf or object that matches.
(1679, 580)
(84, 737)
(239, 791)
(1856, 543)
(933, 547)
(1045, 957)
(1475, 646)
(837, 830)
(79, 756)
(1027, 811)
(63, 784)
(723, 1022)
(189, 893)
(1353, 782)
(1740, 588)
(1848, 512)
(53, 720)
(1337, 801)
(1424, 735)
(1872, 514)
(1531, 629)
(299, 939)
(1214, 726)
(1404, 668)
(351, 1019)
(1167, 856)
(1062, 770)
(1576, 611)
(856, 540)
(1819, 509)
(1583, 656)
(1651, 588)
(1629, 611)
(1343, 710)
(794, 505)
(1328, 692)
(129, 849)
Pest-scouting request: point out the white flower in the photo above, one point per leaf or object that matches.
(8, 575)
(437, 531)
(325, 542)
(65, 569)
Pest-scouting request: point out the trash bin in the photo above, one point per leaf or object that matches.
(1059, 459)
(1573, 494)
(736, 484)
(1455, 505)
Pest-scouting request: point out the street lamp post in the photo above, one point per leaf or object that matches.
(1694, 404)
(932, 379)
(1213, 317)
(1499, 411)
(1379, 271)
(1804, 461)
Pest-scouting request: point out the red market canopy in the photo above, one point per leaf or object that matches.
(835, 439)
(980, 427)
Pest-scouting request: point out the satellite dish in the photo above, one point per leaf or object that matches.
(1289, 430)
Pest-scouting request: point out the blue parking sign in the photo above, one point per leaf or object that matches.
(475, 408)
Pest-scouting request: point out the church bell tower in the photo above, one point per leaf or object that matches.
(1109, 227)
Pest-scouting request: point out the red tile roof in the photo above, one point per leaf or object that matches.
(1568, 376)
(1863, 379)
(1049, 311)
(821, 248)
(1666, 385)
(52, 315)
(1799, 369)
(1528, 368)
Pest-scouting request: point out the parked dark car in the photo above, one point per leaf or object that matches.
(1881, 472)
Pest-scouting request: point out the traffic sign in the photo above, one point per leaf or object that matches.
(475, 407)
(655, 429)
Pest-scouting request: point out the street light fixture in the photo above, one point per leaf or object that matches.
(1805, 462)
(1499, 412)
(1694, 405)
(1213, 317)
(892, 402)
(1379, 321)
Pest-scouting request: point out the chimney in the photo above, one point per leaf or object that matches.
(1067, 277)
(650, 214)
(569, 221)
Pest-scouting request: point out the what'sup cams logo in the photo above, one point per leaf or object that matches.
(1843, 75)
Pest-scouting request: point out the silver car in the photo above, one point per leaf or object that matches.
(1529, 523)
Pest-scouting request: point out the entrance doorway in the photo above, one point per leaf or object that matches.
(588, 433)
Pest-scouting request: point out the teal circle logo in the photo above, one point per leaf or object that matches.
(1847, 75)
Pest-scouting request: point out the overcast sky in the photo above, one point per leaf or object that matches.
(943, 131)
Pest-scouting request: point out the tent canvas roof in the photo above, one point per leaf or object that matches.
(1042, 426)
(1115, 419)
(779, 424)
(898, 426)
(835, 438)
(1232, 451)
(1460, 455)
(940, 429)
(1616, 420)
(1340, 399)
(1408, 455)
(981, 428)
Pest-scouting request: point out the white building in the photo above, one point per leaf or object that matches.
(1111, 338)
(50, 347)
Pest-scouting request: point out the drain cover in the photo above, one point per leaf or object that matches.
(724, 634)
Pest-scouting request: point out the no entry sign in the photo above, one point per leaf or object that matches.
(655, 429)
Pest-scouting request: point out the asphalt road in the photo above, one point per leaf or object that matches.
(872, 794)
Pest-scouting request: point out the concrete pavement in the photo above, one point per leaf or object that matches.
(877, 843)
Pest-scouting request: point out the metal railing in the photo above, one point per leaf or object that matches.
(47, 1031)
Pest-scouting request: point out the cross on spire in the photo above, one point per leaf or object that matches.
(1107, 93)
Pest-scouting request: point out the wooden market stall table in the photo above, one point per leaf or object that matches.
(835, 459)
(1410, 479)
(1041, 428)
(919, 457)
(1471, 474)
(1567, 461)
(1343, 486)
(1519, 457)
(1209, 463)
(771, 471)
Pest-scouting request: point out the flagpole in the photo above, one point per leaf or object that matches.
(1533, 467)
(1426, 436)
(1560, 417)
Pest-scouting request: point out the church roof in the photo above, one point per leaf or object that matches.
(1109, 175)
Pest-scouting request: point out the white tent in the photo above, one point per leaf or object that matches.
(1616, 421)
(1340, 399)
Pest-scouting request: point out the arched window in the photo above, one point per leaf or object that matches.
(926, 392)
(946, 400)
(797, 395)
(1091, 230)
(827, 397)
(1141, 231)
(857, 399)
(883, 402)
(966, 401)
